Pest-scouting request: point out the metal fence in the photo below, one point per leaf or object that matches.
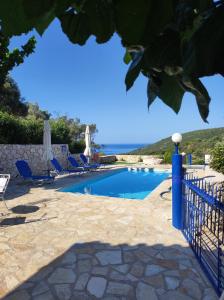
(203, 215)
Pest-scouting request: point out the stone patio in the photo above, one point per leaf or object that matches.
(62, 246)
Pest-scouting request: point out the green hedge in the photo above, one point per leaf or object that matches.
(15, 130)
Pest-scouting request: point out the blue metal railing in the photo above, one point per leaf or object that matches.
(203, 226)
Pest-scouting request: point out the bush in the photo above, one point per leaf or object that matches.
(167, 158)
(217, 162)
(17, 130)
(77, 147)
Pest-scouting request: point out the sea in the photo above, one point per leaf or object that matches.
(109, 149)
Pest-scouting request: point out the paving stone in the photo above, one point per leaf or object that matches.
(122, 268)
(84, 265)
(155, 280)
(145, 292)
(129, 257)
(172, 282)
(191, 288)
(153, 269)
(142, 256)
(186, 263)
(131, 277)
(209, 294)
(82, 281)
(63, 291)
(95, 262)
(62, 275)
(112, 298)
(80, 296)
(96, 286)
(118, 276)
(160, 291)
(40, 288)
(149, 251)
(182, 267)
(45, 296)
(128, 247)
(84, 256)
(109, 257)
(69, 258)
(167, 263)
(119, 289)
(159, 255)
(25, 285)
(137, 269)
(41, 274)
(20, 295)
(174, 295)
(173, 273)
(100, 271)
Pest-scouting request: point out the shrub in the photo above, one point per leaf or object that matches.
(17, 130)
(167, 158)
(217, 162)
(77, 147)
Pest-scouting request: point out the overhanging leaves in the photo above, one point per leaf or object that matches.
(181, 39)
(195, 86)
(152, 91)
(170, 91)
(95, 17)
(129, 13)
(76, 27)
(134, 70)
(203, 54)
(21, 16)
(100, 19)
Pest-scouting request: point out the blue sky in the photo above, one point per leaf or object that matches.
(88, 82)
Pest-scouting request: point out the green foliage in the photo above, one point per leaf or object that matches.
(10, 99)
(217, 162)
(167, 158)
(14, 130)
(77, 146)
(17, 130)
(140, 159)
(35, 112)
(166, 40)
(10, 59)
(199, 143)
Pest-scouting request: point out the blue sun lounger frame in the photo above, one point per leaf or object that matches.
(25, 171)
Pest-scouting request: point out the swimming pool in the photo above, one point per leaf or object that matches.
(123, 183)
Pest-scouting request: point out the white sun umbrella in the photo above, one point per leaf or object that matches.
(88, 150)
(48, 153)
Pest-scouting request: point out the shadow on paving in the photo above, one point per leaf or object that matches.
(98, 270)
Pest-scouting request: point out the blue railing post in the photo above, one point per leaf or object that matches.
(177, 205)
(190, 159)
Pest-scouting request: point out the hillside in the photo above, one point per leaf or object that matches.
(197, 142)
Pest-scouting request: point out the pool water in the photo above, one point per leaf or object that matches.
(122, 184)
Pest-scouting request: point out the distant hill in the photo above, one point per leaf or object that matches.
(197, 142)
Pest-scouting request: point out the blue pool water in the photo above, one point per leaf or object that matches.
(121, 184)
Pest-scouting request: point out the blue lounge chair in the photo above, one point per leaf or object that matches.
(26, 173)
(86, 164)
(75, 164)
(58, 168)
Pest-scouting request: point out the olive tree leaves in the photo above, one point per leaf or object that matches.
(171, 42)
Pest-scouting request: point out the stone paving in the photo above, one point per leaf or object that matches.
(87, 247)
